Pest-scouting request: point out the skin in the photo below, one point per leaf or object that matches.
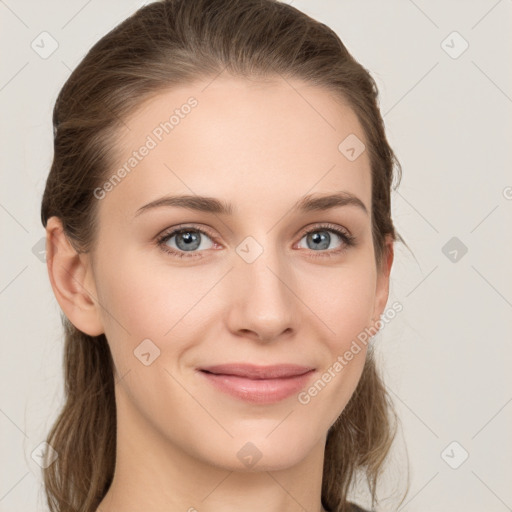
(261, 146)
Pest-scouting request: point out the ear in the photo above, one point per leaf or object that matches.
(383, 273)
(72, 280)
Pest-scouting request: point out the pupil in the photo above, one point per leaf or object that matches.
(187, 239)
(321, 238)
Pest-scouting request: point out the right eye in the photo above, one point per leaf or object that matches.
(188, 239)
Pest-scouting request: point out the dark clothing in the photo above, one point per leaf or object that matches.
(354, 508)
(357, 508)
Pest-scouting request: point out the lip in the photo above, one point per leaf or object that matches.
(258, 384)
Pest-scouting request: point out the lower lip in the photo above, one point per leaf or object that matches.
(259, 391)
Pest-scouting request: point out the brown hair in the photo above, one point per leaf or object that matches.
(174, 42)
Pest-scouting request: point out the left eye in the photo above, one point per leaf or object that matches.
(187, 240)
(321, 238)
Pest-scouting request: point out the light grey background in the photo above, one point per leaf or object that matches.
(446, 357)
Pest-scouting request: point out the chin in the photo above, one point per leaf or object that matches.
(263, 452)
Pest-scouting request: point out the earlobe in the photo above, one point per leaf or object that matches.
(70, 275)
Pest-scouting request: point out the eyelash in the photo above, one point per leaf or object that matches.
(348, 240)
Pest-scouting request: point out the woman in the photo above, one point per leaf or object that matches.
(219, 239)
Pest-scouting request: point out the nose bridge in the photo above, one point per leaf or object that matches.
(262, 301)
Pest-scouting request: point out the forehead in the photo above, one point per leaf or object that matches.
(249, 141)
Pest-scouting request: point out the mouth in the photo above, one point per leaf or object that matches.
(258, 384)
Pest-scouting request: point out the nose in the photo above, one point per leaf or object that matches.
(262, 302)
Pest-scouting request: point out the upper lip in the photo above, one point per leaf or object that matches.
(252, 371)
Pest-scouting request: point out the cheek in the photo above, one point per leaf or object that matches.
(346, 303)
(135, 304)
(346, 308)
(142, 301)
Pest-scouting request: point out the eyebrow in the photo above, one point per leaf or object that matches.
(212, 205)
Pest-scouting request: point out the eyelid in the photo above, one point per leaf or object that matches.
(183, 227)
(342, 232)
(326, 226)
(205, 230)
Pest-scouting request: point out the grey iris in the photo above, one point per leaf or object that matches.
(322, 238)
(188, 240)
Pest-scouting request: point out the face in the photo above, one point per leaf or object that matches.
(263, 282)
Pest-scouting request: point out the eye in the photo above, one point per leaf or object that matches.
(187, 240)
(320, 238)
